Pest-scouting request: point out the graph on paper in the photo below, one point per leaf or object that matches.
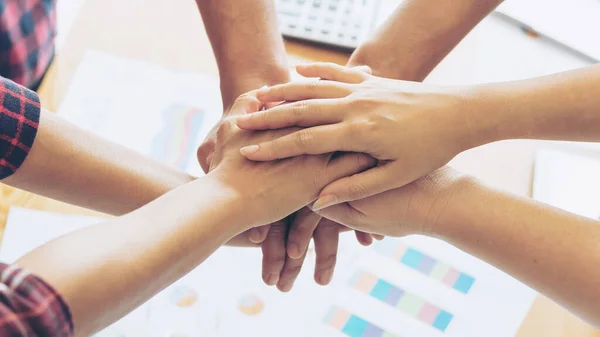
(353, 325)
(401, 300)
(174, 144)
(427, 265)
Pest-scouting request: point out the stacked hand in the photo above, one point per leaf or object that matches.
(291, 234)
(410, 128)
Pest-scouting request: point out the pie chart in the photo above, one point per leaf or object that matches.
(251, 305)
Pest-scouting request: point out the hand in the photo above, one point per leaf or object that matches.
(412, 209)
(277, 267)
(411, 128)
(285, 242)
(275, 189)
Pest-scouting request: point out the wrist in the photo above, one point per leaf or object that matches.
(235, 82)
(483, 115)
(455, 191)
(375, 53)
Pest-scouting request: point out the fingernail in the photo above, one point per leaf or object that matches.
(248, 150)
(272, 279)
(324, 202)
(286, 287)
(264, 89)
(254, 235)
(294, 251)
(326, 277)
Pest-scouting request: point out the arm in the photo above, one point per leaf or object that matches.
(54, 158)
(246, 43)
(69, 164)
(157, 244)
(546, 248)
(418, 35)
(250, 54)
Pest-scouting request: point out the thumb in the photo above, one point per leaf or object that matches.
(346, 215)
(355, 187)
(245, 103)
(346, 165)
(364, 68)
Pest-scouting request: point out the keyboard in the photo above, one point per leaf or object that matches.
(338, 23)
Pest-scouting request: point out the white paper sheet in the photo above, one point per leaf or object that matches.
(568, 181)
(155, 111)
(207, 301)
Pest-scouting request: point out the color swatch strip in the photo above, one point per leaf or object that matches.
(426, 265)
(401, 300)
(352, 325)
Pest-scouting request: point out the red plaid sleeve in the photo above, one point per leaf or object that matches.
(19, 119)
(31, 307)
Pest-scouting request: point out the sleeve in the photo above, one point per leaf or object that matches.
(31, 307)
(19, 120)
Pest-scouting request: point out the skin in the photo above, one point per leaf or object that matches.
(549, 249)
(150, 248)
(250, 54)
(414, 39)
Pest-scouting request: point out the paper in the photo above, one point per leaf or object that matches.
(570, 22)
(414, 286)
(158, 112)
(568, 181)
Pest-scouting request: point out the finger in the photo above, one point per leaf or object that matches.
(363, 238)
(345, 215)
(333, 72)
(315, 140)
(258, 234)
(378, 237)
(365, 69)
(290, 272)
(359, 186)
(274, 253)
(326, 247)
(303, 90)
(245, 104)
(301, 231)
(305, 113)
(205, 153)
(346, 165)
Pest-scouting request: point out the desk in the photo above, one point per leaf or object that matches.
(171, 34)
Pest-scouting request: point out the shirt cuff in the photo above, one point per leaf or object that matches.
(19, 121)
(31, 307)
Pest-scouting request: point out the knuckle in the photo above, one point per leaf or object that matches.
(314, 86)
(225, 128)
(326, 262)
(273, 262)
(356, 191)
(303, 138)
(292, 270)
(299, 109)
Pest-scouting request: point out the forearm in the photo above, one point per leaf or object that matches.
(551, 250)
(418, 35)
(246, 43)
(72, 165)
(106, 270)
(564, 106)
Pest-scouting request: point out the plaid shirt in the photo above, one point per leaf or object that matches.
(30, 307)
(19, 118)
(27, 31)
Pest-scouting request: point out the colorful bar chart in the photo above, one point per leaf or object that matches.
(426, 265)
(352, 325)
(174, 144)
(398, 298)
